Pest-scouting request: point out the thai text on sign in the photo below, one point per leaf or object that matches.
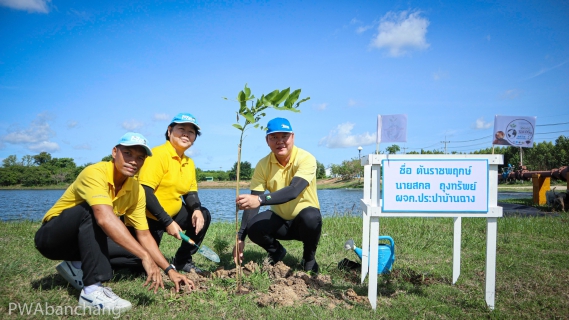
(435, 185)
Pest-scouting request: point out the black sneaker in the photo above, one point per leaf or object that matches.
(278, 256)
(310, 266)
(186, 267)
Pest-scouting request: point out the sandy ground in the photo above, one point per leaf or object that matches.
(287, 287)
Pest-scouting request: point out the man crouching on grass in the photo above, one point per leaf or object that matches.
(75, 229)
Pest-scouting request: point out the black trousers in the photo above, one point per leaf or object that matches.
(75, 235)
(266, 228)
(121, 258)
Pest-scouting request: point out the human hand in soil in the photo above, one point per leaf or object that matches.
(174, 230)
(154, 279)
(180, 279)
(248, 201)
(240, 247)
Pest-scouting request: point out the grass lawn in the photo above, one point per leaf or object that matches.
(532, 274)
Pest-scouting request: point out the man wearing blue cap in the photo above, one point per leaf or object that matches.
(76, 228)
(288, 173)
(168, 177)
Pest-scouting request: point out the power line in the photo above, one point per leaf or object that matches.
(552, 132)
(425, 147)
(551, 138)
(472, 139)
(550, 124)
(471, 145)
(486, 137)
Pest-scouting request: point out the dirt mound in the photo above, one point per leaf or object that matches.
(287, 288)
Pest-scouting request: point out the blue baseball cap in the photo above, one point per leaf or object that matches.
(278, 125)
(185, 117)
(135, 139)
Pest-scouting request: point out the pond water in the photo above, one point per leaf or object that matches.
(33, 204)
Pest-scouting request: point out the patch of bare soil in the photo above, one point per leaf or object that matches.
(287, 288)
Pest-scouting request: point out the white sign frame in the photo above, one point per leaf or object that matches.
(372, 211)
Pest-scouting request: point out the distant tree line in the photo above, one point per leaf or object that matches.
(38, 170)
(43, 170)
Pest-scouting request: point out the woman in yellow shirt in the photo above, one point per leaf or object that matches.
(168, 177)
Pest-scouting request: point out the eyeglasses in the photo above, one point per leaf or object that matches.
(275, 138)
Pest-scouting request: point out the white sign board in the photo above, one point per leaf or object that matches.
(435, 185)
(514, 131)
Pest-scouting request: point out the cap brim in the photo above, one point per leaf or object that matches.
(277, 131)
(146, 148)
(182, 121)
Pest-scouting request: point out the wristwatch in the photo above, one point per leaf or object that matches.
(170, 267)
(260, 200)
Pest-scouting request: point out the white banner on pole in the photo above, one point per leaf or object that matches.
(514, 131)
(391, 128)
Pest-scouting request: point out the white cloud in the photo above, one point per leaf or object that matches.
(544, 70)
(131, 125)
(481, 124)
(352, 103)
(342, 137)
(36, 137)
(72, 124)
(192, 152)
(38, 131)
(363, 29)
(400, 32)
(41, 6)
(440, 75)
(160, 117)
(83, 146)
(511, 94)
(46, 146)
(321, 107)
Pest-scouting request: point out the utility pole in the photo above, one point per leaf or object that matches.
(445, 142)
(404, 150)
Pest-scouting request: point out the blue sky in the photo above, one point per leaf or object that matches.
(76, 75)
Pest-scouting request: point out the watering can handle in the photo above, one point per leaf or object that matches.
(387, 238)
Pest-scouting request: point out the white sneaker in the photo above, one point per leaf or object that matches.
(103, 298)
(73, 275)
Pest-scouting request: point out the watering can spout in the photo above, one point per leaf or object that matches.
(358, 251)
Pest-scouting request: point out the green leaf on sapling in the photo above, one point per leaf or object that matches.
(249, 117)
(279, 98)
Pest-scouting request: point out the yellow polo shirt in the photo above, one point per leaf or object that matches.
(170, 176)
(95, 185)
(272, 176)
